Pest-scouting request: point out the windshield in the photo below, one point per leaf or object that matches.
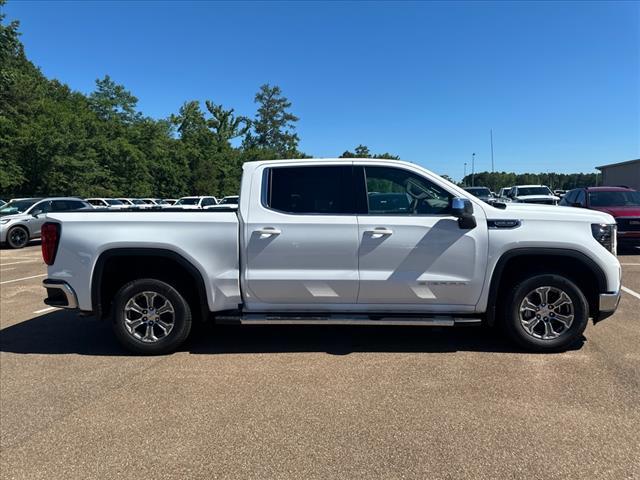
(17, 206)
(228, 200)
(524, 191)
(112, 201)
(137, 201)
(188, 201)
(162, 202)
(615, 199)
(479, 191)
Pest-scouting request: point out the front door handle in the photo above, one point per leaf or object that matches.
(268, 231)
(380, 232)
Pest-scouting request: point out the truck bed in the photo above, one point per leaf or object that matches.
(207, 239)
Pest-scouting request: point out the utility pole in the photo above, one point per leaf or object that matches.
(491, 134)
(465, 173)
(473, 169)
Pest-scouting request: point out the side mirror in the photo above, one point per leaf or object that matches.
(463, 210)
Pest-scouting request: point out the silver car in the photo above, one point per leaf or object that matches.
(21, 219)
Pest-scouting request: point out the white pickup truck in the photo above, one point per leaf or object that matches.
(354, 241)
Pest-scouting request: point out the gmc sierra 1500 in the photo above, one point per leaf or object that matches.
(355, 241)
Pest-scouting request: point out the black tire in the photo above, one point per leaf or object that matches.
(124, 320)
(17, 237)
(567, 336)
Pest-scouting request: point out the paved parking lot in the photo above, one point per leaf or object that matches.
(311, 402)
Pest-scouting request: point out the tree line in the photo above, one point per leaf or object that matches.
(556, 181)
(56, 141)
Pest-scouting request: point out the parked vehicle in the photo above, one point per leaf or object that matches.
(170, 201)
(230, 200)
(20, 220)
(135, 203)
(196, 203)
(620, 202)
(106, 203)
(560, 193)
(539, 194)
(307, 245)
(155, 202)
(483, 193)
(503, 193)
(226, 202)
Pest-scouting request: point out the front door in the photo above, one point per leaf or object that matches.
(413, 254)
(301, 239)
(38, 212)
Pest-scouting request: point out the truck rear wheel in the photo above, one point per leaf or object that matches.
(151, 317)
(546, 313)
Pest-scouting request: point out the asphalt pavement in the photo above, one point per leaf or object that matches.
(311, 402)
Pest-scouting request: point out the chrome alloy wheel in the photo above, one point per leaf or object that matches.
(149, 316)
(546, 313)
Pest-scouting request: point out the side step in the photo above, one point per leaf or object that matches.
(346, 319)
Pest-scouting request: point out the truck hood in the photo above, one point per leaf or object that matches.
(620, 211)
(530, 211)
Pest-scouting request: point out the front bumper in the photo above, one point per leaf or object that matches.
(60, 294)
(607, 305)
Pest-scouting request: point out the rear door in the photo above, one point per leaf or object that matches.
(413, 255)
(301, 239)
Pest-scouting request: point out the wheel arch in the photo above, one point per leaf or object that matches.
(586, 273)
(180, 273)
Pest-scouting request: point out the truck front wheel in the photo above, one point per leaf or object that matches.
(151, 317)
(546, 313)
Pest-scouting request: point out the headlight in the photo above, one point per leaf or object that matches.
(5, 220)
(606, 235)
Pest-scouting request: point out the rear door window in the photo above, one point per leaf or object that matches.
(320, 190)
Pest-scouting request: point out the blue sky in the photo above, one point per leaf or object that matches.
(559, 83)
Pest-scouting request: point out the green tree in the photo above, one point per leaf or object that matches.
(274, 125)
(112, 101)
(362, 151)
(224, 124)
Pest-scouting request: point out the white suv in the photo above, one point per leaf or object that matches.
(111, 203)
(196, 203)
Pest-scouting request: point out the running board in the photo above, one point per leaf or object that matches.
(338, 319)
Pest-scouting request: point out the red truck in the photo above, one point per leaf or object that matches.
(620, 202)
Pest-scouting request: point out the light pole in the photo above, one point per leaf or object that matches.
(465, 173)
(473, 169)
(491, 134)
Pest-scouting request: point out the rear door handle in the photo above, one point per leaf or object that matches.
(268, 231)
(379, 232)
